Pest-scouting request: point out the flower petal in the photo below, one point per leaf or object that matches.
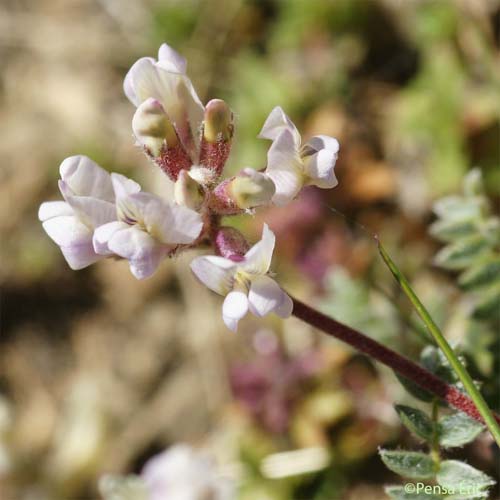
(171, 60)
(175, 92)
(258, 258)
(124, 186)
(168, 223)
(276, 122)
(80, 255)
(129, 86)
(285, 309)
(285, 168)
(104, 233)
(74, 238)
(128, 89)
(67, 230)
(50, 209)
(93, 212)
(189, 131)
(142, 251)
(265, 295)
(214, 272)
(85, 178)
(319, 142)
(185, 226)
(320, 169)
(234, 308)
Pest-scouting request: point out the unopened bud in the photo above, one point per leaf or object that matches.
(248, 189)
(152, 127)
(218, 121)
(230, 243)
(187, 191)
(217, 135)
(252, 189)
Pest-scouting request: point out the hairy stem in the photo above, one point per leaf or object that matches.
(400, 364)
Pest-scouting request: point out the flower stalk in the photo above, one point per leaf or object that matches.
(463, 374)
(400, 364)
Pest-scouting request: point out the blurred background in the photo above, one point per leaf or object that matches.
(99, 371)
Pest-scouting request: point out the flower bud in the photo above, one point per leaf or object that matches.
(252, 189)
(153, 128)
(187, 191)
(230, 243)
(218, 121)
(156, 133)
(217, 135)
(248, 189)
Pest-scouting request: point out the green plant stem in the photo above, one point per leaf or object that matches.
(460, 370)
(435, 434)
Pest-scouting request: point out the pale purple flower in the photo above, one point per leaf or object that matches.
(272, 383)
(165, 82)
(245, 282)
(291, 164)
(89, 203)
(147, 228)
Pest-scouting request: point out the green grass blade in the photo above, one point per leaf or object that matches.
(436, 333)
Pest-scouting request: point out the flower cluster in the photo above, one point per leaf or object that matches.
(107, 215)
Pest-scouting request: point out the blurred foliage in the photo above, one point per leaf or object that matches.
(471, 233)
(99, 372)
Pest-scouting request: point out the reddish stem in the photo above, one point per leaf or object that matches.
(405, 367)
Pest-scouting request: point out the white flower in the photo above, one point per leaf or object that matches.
(147, 229)
(165, 81)
(291, 164)
(245, 282)
(89, 203)
(180, 473)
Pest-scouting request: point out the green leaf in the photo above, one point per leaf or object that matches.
(416, 421)
(482, 273)
(488, 305)
(457, 208)
(462, 253)
(454, 475)
(450, 230)
(399, 493)
(473, 183)
(458, 429)
(411, 464)
(435, 361)
(414, 389)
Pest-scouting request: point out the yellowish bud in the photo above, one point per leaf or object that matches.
(187, 191)
(152, 127)
(252, 189)
(218, 121)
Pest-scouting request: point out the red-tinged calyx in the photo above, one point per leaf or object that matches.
(217, 135)
(156, 134)
(220, 200)
(173, 160)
